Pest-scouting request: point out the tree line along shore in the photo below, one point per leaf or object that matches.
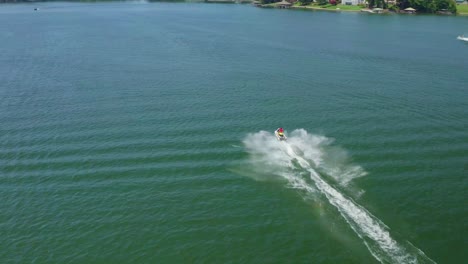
(443, 7)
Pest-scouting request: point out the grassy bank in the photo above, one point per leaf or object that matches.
(462, 9)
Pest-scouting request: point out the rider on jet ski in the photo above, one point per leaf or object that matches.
(280, 132)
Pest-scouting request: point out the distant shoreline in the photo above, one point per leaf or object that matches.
(324, 9)
(346, 8)
(463, 12)
(366, 10)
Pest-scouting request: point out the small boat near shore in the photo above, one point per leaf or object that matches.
(462, 37)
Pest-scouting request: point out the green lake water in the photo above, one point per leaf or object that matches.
(141, 132)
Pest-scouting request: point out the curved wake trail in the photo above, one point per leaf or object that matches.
(305, 150)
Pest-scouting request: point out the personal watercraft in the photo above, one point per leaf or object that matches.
(279, 133)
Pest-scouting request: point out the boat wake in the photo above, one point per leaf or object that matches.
(307, 162)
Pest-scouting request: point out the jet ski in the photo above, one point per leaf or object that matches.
(279, 133)
(462, 37)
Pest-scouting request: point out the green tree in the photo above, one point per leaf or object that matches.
(429, 6)
(450, 5)
(377, 3)
(304, 2)
(402, 4)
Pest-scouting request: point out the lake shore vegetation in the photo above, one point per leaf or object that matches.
(442, 7)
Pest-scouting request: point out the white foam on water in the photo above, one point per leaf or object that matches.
(304, 152)
(332, 160)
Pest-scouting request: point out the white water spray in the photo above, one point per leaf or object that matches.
(308, 152)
